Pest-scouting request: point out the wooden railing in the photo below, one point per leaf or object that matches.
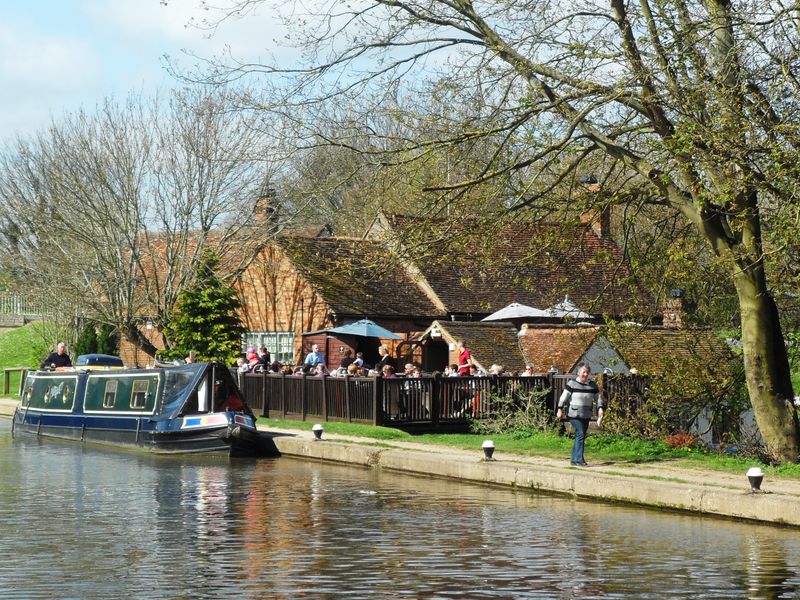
(430, 403)
(301, 397)
(7, 372)
(427, 402)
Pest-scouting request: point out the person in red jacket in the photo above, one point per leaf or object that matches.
(464, 359)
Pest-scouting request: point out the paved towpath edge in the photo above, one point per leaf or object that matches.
(655, 484)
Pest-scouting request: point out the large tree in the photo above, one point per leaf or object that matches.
(105, 215)
(695, 102)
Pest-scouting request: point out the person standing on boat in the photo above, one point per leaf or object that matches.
(579, 397)
(57, 359)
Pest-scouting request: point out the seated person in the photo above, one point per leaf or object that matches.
(348, 358)
(225, 399)
(252, 358)
(57, 359)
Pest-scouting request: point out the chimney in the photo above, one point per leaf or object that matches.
(265, 211)
(599, 217)
(674, 309)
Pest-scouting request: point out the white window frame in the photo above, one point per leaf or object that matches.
(140, 390)
(279, 343)
(110, 391)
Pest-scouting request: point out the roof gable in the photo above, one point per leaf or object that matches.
(488, 342)
(559, 346)
(357, 277)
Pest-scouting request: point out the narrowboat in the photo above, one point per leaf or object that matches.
(171, 409)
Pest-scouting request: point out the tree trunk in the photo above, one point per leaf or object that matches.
(134, 336)
(767, 368)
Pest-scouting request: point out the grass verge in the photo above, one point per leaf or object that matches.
(599, 448)
(21, 347)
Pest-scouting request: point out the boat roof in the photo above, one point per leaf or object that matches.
(180, 381)
(99, 360)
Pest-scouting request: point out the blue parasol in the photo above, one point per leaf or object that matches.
(365, 328)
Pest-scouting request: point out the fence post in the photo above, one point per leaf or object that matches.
(303, 402)
(265, 407)
(347, 398)
(377, 414)
(324, 397)
(435, 401)
(283, 395)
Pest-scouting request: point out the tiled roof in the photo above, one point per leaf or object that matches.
(650, 350)
(562, 346)
(530, 263)
(658, 351)
(357, 277)
(489, 343)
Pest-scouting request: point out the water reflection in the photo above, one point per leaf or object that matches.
(87, 523)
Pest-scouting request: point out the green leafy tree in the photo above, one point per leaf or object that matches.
(96, 338)
(87, 339)
(694, 102)
(205, 320)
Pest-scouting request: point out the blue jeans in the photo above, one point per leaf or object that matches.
(581, 427)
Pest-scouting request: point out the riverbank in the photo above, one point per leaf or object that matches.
(655, 484)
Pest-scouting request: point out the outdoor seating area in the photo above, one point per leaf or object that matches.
(427, 403)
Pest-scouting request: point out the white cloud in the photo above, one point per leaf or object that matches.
(137, 18)
(29, 62)
(181, 23)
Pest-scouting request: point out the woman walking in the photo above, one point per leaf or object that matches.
(579, 397)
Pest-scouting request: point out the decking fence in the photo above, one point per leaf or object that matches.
(426, 403)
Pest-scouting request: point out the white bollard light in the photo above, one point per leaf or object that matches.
(488, 449)
(317, 429)
(755, 475)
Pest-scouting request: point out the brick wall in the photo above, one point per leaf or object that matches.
(133, 356)
(275, 297)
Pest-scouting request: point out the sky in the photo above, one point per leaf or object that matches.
(61, 55)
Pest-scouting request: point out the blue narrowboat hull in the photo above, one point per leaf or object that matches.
(152, 410)
(236, 439)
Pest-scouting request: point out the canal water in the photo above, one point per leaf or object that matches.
(81, 522)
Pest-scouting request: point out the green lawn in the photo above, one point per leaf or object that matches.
(598, 447)
(21, 347)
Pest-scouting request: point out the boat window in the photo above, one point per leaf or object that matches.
(139, 394)
(111, 394)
